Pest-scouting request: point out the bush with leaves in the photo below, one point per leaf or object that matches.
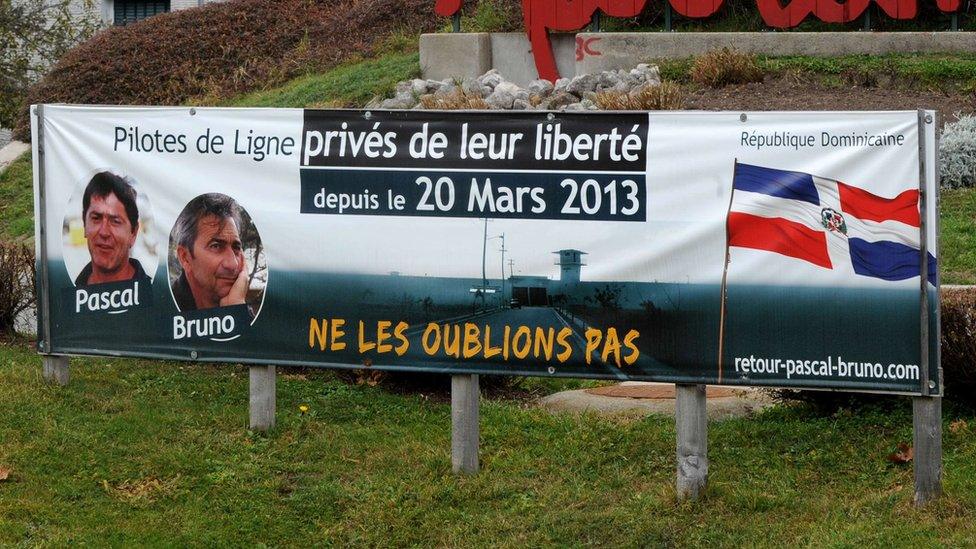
(16, 283)
(957, 153)
(719, 68)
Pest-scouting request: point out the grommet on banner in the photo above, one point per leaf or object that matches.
(552, 370)
(550, 116)
(743, 117)
(928, 118)
(193, 355)
(367, 115)
(193, 111)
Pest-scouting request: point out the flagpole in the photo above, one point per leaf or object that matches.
(725, 277)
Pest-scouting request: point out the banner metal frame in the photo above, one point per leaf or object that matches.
(44, 292)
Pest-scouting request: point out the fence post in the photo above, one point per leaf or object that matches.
(927, 460)
(262, 398)
(55, 369)
(464, 423)
(691, 423)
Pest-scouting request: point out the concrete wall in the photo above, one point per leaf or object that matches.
(511, 54)
(105, 9)
(471, 54)
(463, 55)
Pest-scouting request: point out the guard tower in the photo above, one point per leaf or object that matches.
(570, 262)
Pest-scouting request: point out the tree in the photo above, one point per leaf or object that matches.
(33, 35)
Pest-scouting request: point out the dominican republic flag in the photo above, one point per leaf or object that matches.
(827, 223)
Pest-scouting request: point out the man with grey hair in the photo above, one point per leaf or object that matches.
(207, 236)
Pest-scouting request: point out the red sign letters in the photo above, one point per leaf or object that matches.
(541, 16)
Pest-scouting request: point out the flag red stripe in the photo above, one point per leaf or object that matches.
(775, 234)
(868, 207)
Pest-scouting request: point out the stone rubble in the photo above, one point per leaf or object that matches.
(575, 94)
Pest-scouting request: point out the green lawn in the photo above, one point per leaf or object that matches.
(139, 452)
(345, 86)
(17, 200)
(958, 236)
(952, 73)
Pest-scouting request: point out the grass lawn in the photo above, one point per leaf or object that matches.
(345, 86)
(17, 200)
(139, 452)
(946, 72)
(958, 236)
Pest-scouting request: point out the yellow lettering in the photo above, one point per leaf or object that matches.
(611, 346)
(593, 338)
(489, 350)
(629, 343)
(562, 339)
(452, 348)
(544, 340)
(472, 342)
(363, 344)
(524, 333)
(398, 333)
(383, 334)
(317, 332)
(430, 348)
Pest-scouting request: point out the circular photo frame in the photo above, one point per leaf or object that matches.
(216, 257)
(108, 232)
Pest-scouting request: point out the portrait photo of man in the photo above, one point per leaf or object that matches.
(110, 217)
(207, 243)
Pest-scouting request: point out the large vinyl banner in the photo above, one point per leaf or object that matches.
(779, 249)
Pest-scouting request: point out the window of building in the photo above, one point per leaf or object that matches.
(130, 11)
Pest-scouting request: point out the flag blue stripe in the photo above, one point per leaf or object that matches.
(888, 260)
(780, 183)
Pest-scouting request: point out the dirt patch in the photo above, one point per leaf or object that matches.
(636, 399)
(784, 93)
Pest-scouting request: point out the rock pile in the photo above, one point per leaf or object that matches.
(576, 94)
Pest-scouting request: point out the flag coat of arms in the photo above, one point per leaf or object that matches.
(827, 223)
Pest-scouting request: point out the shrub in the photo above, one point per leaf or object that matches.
(455, 100)
(719, 68)
(957, 153)
(959, 344)
(223, 50)
(664, 97)
(16, 283)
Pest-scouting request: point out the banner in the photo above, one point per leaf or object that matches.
(776, 249)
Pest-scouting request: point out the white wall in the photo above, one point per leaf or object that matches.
(107, 11)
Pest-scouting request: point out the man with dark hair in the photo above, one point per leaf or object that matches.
(207, 236)
(111, 219)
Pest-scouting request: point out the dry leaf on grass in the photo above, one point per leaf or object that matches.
(958, 426)
(903, 454)
(4, 473)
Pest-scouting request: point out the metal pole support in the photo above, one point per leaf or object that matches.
(691, 424)
(263, 398)
(927, 460)
(55, 369)
(464, 423)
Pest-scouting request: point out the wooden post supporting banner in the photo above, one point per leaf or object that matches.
(464, 423)
(691, 423)
(263, 398)
(927, 460)
(55, 369)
